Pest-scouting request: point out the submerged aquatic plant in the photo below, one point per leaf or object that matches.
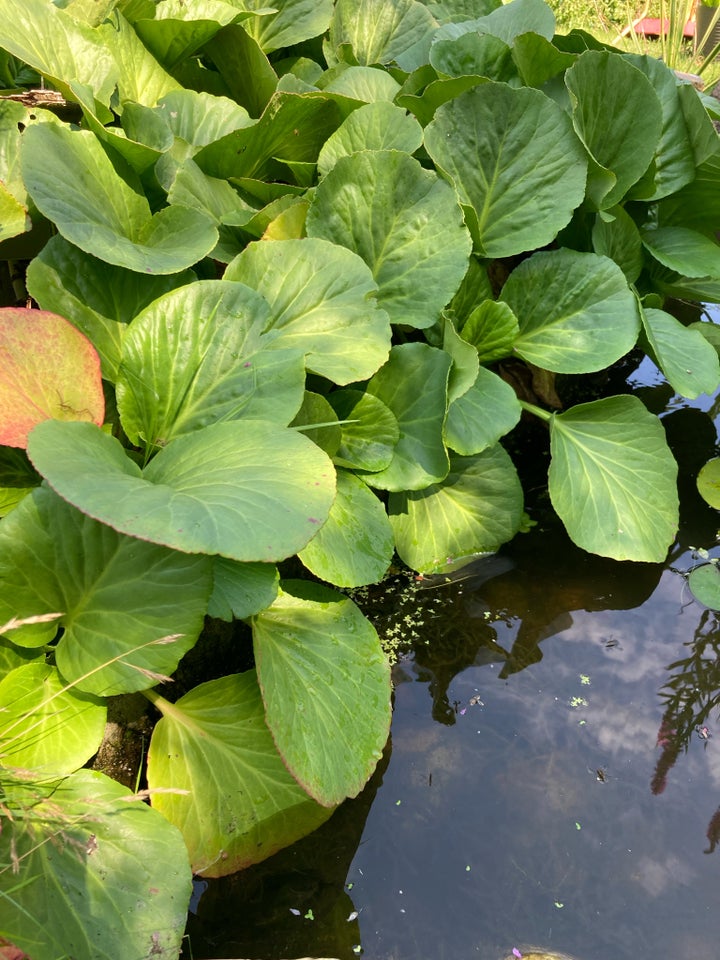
(286, 301)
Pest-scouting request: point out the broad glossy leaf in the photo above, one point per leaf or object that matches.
(140, 76)
(612, 479)
(244, 67)
(96, 210)
(367, 84)
(455, 10)
(575, 310)
(514, 159)
(465, 363)
(91, 12)
(14, 217)
(199, 355)
(615, 235)
(322, 303)
(708, 482)
(220, 780)
(119, 597)
(248, 490)
(241, 590)
(375, 126)
(45, 727)
(380, 31)
(201, 118)
(474, 510)
(98, 298)
(355, 544)
(12, 656)
(697, 205)
(293, 127)
(177, 31)
(413, 385)
(212, 196)
(369, 431)
(474, 55)
(704, 584)
(492, 329)
(318, 421)
(48, 369)
(538, 60)
(507, 21)
(57, 46)
(325, 681)
(80, 897)
(406, 225)
(673, 164)
(686, 358)
(483, 414)
(473, 291)
(618, 116)
(437, 92)
(685, 251)
(294, 21)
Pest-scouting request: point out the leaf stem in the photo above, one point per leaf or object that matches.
(537, 411)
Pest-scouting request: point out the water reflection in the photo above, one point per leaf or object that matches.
(553, 777)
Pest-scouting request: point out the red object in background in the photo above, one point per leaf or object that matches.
(650, 27)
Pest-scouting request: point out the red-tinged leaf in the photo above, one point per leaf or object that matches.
(48, 371)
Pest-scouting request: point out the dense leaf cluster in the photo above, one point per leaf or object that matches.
(292, 251)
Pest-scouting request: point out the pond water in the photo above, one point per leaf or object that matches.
(553, 774)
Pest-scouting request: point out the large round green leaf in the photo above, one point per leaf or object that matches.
(44, 726)
(483, 414)
(575, 310)
(413, 385)
(120, 598)
(101, 875)
(326, 686)
(612, 479)
(369, 431)
(404, 222)
(355, 545)
(288, 22)
(199, 355)
(95, 209)
(618, 116)
(376, 126)
(708, 482)
(685, 251)
(380, 32)
(248, 490)
(686, 358)
(476, 509)
(704, 583)
(322, 302)
(514, 160)
(241, 589)
(217, 776)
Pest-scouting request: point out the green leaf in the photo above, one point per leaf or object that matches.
(198, 355)
(514, 160)
(96, 297)
(413, 385)
(14, 217)
(538, 60)
(612, 479)
(483, 414)
(244, 67)
(325, 682)
(367, 84)
(201, 118)
(12, 656)
(45, 727)
(322, 303)
(687, 360)
(615, 235)
(685, 251)
(140, 77)
(369, 431)
(492, 329)
(673, 164)
(406, 225)
(57, 46)
(86, 849)
(474, 55)
(293, 127)
(575, 310)
(697, 205)
(318, 421)
(217, 776)
(120, 598)
(355, 544)
(248, 490)
(96, 210)
(241, 590)
(294, 21)
(704, 584)
(375, 126)
(48, 369)
(437, 92)
(507, 21)
(474, 510)
(465, 363)
(381, 31)
(708, 482)
(618, 116)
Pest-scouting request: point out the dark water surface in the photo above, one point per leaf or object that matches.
(553, 776)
